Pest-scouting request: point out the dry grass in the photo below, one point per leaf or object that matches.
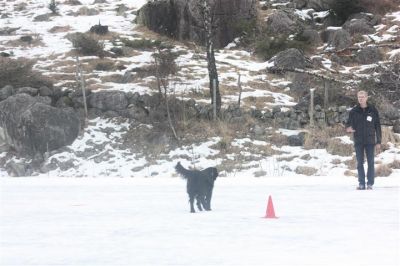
(286, 159)
(36, 42)
(64, 77)
(151, 35)
(259, 102)
(103, 64)
(352, 163)
(228, 90)
(58, 29)
(278, 139)
(114, 78)
(318, 138)
(395, 164)
(19, 73)
(259, 85)
(337, 147)
(350, 173)
(389, 136)
(306, 170)
(383, 170)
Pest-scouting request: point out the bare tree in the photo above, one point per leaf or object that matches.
(165, 66)
(240, 90)
(209, 32)
(81, 80)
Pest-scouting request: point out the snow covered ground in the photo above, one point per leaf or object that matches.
(146, 221)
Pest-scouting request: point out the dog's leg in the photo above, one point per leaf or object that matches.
(199, 201)
(203, 202)
(191, 200)
(208, 199)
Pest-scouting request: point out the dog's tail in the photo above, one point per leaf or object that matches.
(182, 171)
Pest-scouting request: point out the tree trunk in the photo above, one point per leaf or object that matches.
(211, 65)
(326, 94)
(81, 80)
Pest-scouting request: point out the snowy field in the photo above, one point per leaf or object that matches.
(139, 221)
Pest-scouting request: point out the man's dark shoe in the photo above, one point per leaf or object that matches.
(369, 187)
(361, 187)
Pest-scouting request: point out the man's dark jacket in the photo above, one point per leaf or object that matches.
(366, 123)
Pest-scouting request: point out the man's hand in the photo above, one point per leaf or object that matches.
(350, 130)
(378, 148)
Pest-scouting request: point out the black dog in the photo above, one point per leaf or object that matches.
(200, 185)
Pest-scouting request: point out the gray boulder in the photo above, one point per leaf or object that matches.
(6, 92)
(371, 19)
(300, 4)
(41, 18)
(18, 169)
(182, 19)
(340, 39)
(296, 140)
(359, 26)
(311, 36)
(32, 127)
(280, 23)
(290, 59)
(28, 90)
(45, 91)
(108, 100)
(369, 55)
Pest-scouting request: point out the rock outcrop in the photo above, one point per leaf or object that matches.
(31, 126)
(182, 19)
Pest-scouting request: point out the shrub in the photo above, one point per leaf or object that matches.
(53, 7)
(247, 29)
(19, 73)
(86, 44)
(166, 64)
(395, 164)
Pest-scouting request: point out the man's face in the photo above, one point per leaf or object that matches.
(362, 99)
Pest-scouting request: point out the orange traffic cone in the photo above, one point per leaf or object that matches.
(270, 209)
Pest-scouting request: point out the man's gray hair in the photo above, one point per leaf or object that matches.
(362, 92)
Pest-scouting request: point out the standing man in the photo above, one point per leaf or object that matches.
(366, 128)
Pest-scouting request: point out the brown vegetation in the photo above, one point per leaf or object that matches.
(306, 170)
(383, 170)
(19, 73)
(337, 147)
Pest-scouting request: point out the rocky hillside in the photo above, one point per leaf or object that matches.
(270, 55)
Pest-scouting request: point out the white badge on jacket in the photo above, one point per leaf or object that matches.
(369, 118)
